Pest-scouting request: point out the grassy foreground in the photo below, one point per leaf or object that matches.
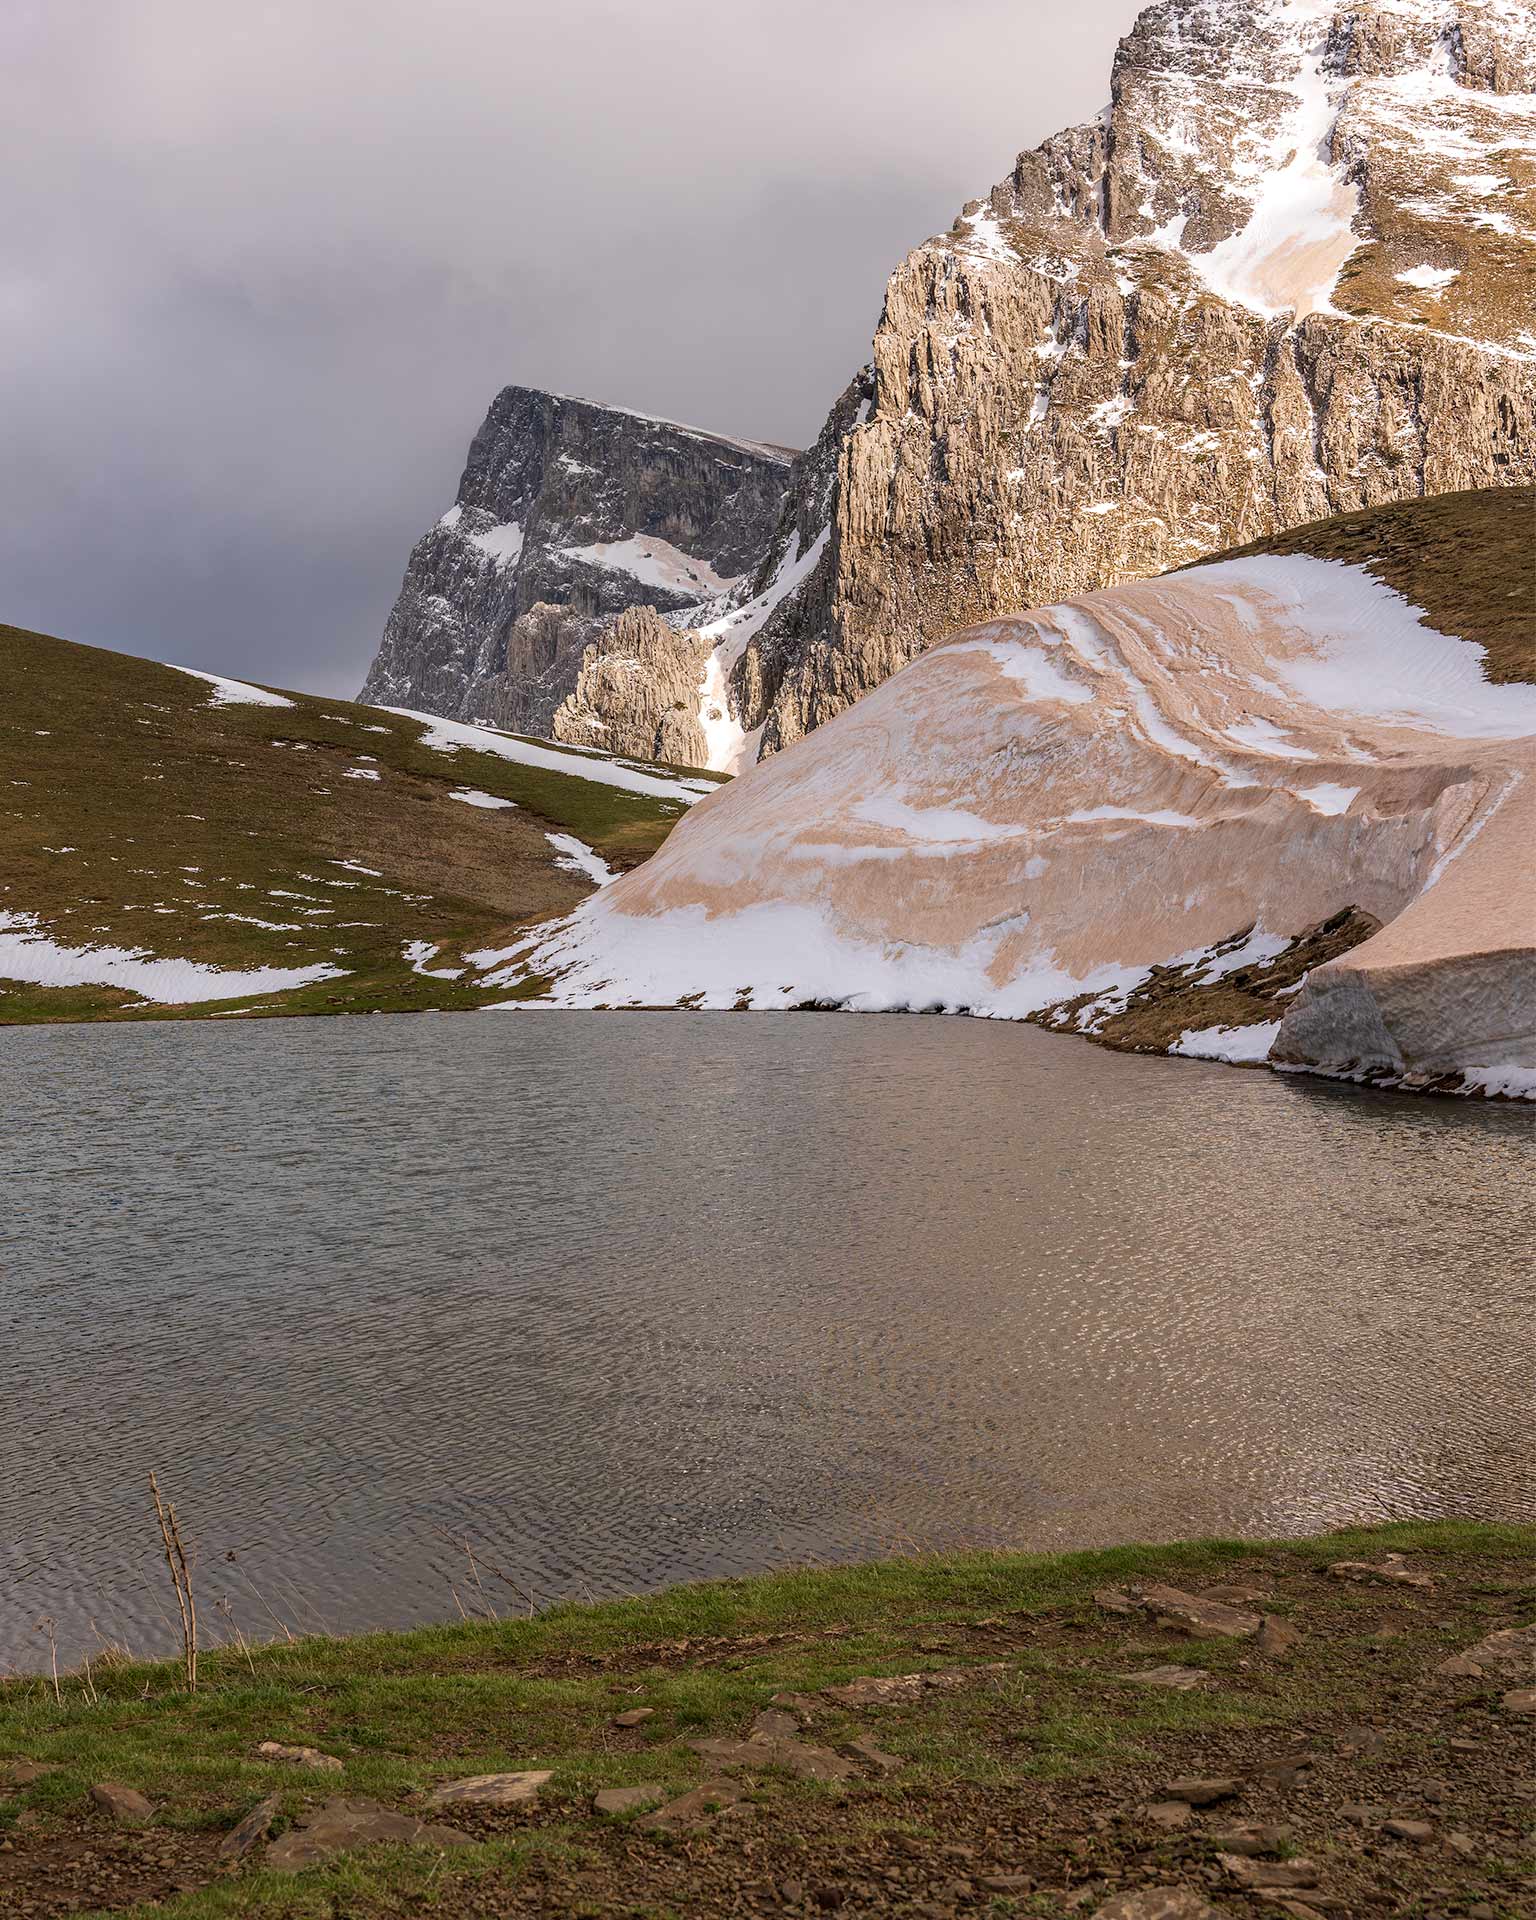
(1038, 1779)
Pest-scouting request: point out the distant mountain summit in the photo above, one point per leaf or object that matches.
(569, 514)
(1290, 271)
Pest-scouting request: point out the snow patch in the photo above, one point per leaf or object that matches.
(473, 797)
(26, 953)
(233, 693)
(448, 736)
(1236, 1045)
(577, 857)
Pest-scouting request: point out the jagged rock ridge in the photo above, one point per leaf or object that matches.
(569, 514)
(1289, 272)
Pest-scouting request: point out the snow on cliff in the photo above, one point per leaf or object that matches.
(1045, 808)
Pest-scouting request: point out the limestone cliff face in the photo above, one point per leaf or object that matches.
(1290, 272)
(637, 692)
(568, 514)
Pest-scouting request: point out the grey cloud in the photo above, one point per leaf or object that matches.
(262, 267)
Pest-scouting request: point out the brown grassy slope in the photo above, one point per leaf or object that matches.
(136, 813)
(1468, 559)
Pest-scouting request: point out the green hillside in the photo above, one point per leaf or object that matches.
(145, 818)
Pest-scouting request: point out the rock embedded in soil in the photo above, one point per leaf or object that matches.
(1510, 1650)
(24, 1773)
(1170, 1813)
(1178, 1679)
(1251, 1873)
(341, 1825)
(634, 1717)
(122, 1803)
(1203, 1793)
(903, 1689)
(696, 1806)
(1276, 1637)
(492, 1789)
(310, 1757)
(1418, 1831)
(806, 1762)
(1158, 1903)
(1192, 1614)
(1519, 1700)
(626, 1799)
(865, 1750)
(1392, 1570)
(1251, 1840)
(775, 1723)
(255, 1827)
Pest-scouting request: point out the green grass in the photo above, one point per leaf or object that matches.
(405, 1711)
(133, 813)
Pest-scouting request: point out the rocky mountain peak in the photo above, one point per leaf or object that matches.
(568, 513)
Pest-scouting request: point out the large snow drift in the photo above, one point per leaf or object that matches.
(1055, 803)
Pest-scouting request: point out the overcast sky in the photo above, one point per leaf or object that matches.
(263, 266)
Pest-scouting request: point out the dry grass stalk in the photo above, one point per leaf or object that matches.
(181, 1580)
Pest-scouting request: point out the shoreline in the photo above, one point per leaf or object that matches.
(969, 1718)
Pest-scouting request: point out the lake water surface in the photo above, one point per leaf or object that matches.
(633, 1298)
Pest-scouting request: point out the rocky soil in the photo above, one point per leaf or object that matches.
(1301, 1735)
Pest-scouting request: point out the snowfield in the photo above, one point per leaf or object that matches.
(1050, 806)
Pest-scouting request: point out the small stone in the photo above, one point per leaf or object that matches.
(1418, 1831)
(123, 1803)
(1464, 1745)
(791, 1892)
(1459, 1667)
(957, 1852)
(1357, 1740)
(634, 1717)
(1482, 1911)
(1170, 1813)
(1461, 1843)
(696, 1806)
(1248, 1872)
(24, 1773)
(1203, 1793)
(1277, 1637)
(1116, 1600)
(256, 1825)
(1519, 1700)
(1236, 1594)
(1251, 1840)
(1392, 1570)
(1158, 1903)
(1179, 1679)
(491, 1789)
(1359, 1814)
(626, 1799)
(310, 1757)
(343, 1824)
(1004, 1882)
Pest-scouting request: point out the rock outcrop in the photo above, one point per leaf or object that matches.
(569, 513)
(1262, 801)
(1289, 272)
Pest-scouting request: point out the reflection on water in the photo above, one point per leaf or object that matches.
(642, 1297)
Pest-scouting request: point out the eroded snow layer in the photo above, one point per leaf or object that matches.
(1052, 805)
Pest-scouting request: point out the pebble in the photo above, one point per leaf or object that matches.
(634, 1717)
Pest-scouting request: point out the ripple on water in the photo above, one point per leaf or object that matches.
(636, 1298)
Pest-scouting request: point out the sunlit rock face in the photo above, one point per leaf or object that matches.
(1058, 814)
(1290, 272)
